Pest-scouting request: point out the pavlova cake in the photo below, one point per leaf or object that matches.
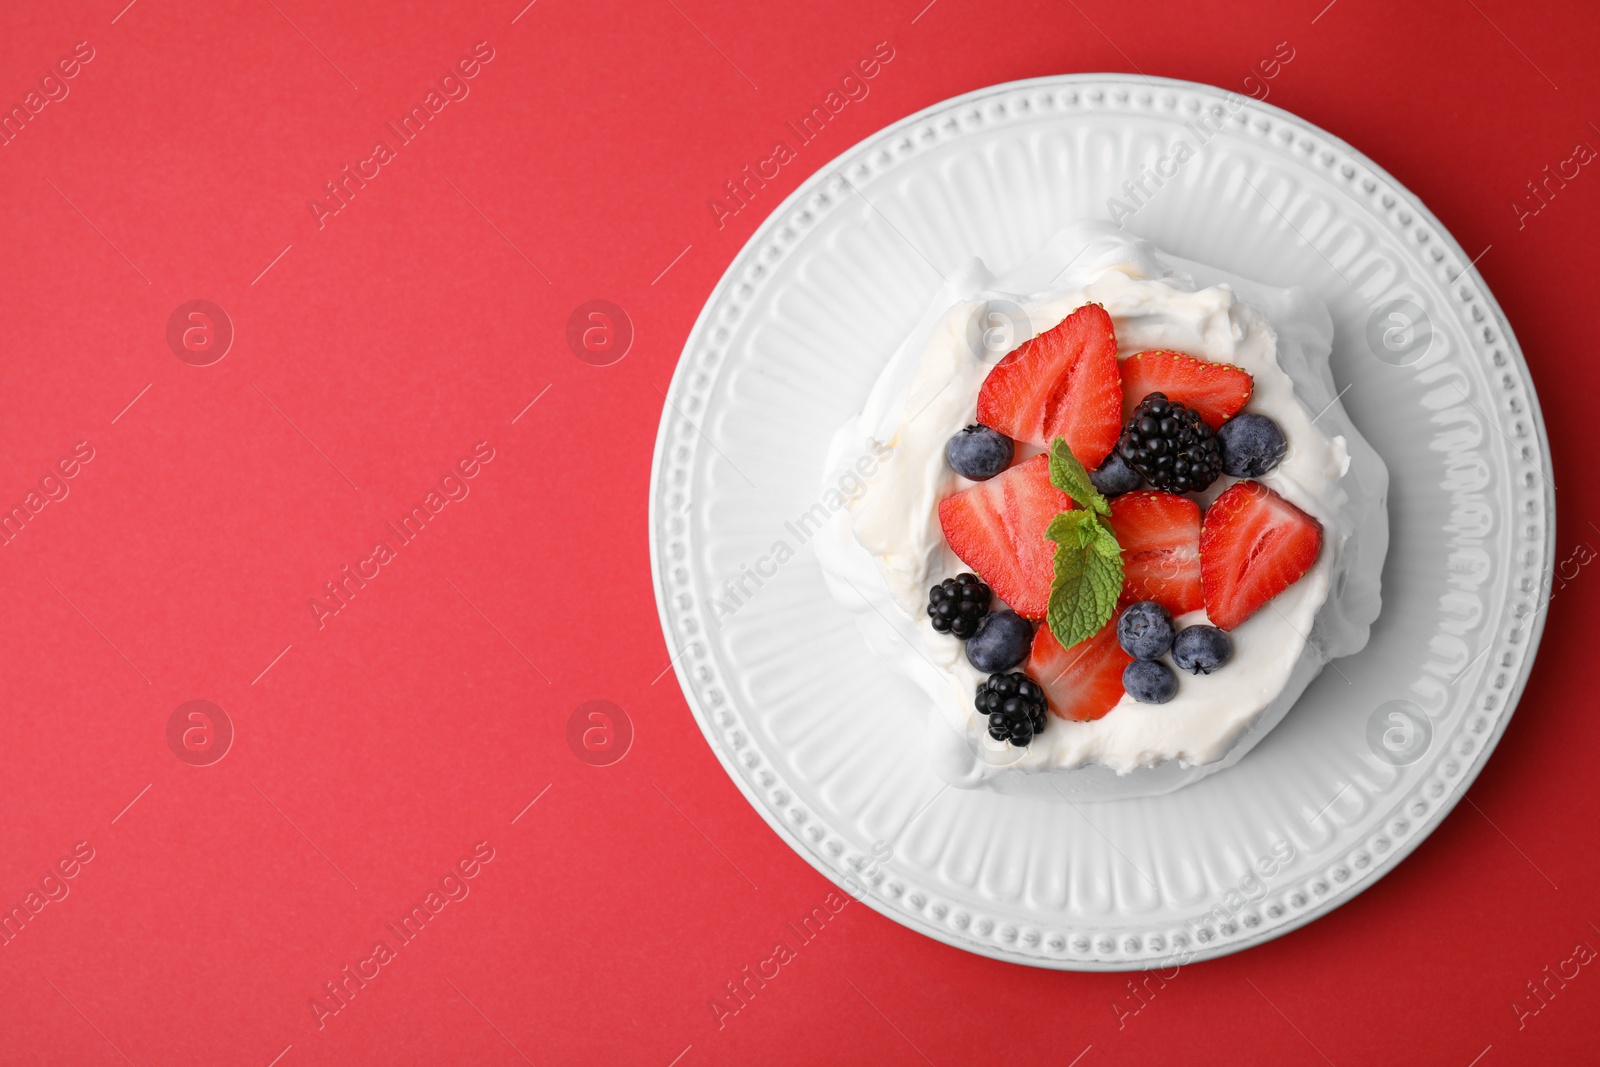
(1121, 520)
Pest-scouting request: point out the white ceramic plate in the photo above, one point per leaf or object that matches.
(815, 731)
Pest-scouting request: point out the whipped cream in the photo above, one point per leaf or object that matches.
(885, 548)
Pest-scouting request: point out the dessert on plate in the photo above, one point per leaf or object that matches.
(1121, 520)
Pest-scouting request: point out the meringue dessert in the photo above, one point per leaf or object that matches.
(1120, 521)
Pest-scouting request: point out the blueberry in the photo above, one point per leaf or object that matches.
(1001, 642)
(1149, 681)
(1145, 630)
(1201, 649)
(1115, 477)
(1251, 445)
(978, 452)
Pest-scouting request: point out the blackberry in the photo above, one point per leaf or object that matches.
(1015, 707)
(956, 605)
(1171, 445)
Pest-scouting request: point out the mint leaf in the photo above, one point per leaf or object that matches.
(1068, 475)
(1088, 574)
(1088, 563)
(1073, 529)
(1105, 541)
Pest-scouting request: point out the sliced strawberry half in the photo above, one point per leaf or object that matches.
(997, 528)
(1063, 383)
(1254, 545)
(1216, 390)
(1082, 682)
(1160, 538)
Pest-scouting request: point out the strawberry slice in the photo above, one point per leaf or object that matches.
(1082, 682)
(997, 528)
(1216, 390)
(1254, 545)
(1160, 538)
(1063, 383)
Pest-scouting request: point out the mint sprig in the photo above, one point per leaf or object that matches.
(1088, 564)
(1068, 475)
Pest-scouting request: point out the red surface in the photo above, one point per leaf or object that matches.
(378, 750)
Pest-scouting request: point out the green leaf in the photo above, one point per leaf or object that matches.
(1088, 575)
(1068, 475)
(1071, 527)
(1105, 541)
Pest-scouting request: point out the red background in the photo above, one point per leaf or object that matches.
(422, 718)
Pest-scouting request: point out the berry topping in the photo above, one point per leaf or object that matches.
(1145, 630)
(956, 605)
(1063, 383)
(1215, 390)
(1082, 682)
(1014, 705)
(1171, 445)
(978, 452)
(1002, 642)
(1160, 538)
(1149, 681)
(1254, 545)
(997, 528)
(1251, 445)
(1115, 477)
(1201, 649)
